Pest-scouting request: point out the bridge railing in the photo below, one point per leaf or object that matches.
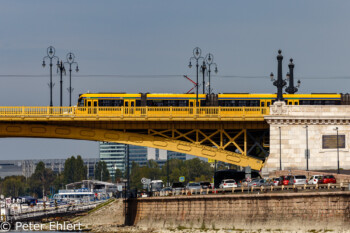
(158, 112)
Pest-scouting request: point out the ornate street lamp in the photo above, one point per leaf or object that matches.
(61, 70)
(203, 68)
(210, 62)
(290, 76)
(70, 61)
(280, 82)
(50, 55)
(196, 56)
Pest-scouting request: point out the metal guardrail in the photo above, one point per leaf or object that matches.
(41, 211)
(252, 189)
(135, 112)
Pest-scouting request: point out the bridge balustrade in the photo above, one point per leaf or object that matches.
(141, 112)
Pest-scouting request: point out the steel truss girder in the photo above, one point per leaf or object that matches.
(156, 140)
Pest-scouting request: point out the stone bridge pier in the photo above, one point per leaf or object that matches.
(294, 128)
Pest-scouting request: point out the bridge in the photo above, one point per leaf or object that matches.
(236, 135)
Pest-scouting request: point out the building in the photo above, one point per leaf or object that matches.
(27, 167)
(114, 155)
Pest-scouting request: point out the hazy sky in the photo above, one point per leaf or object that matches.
(145, 46)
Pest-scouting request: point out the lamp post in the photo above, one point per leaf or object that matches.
(70, 61)
(336, 128)
(127, 168)
(61, 69)
(167, 169)
(280, 82)
(203, 68)
(280, 148)
(50, 55)
(307, 154)
(196, 56)
(209, 60)
(290, 76)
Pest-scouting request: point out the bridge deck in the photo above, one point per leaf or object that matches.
(136, 113)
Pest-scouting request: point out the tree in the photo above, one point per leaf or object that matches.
(101, 171)
(118, 174)
(41, 180)
(74, 170)
(14, 186)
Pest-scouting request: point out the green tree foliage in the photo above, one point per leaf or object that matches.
(74, 170)
(193, 170)
(101, 166)
(150, 171)
(41, 180)
(118, 175)
(14, 186)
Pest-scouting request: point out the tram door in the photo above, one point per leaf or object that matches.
(129, 106)
(192, 104)
(92, 106)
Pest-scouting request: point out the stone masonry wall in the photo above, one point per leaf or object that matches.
(288, 140)
(287, 211)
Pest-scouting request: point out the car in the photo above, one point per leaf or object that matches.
(314, 179)
(258, 183)
(328, 179)
(298, 180)
(284, 180)
(205, 185)
(228, 183)
(194, 187)
(275, 181)
(178, 187)
(165, 191)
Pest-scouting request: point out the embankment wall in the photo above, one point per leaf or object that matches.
(287, 211)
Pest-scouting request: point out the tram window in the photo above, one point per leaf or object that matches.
(183, 103)
(304, 102)
(89, 103)
(329, 102)
(132, 104)
(110, 103)
(81, 102)
(203, 103)
(289, 102)
(262, 104)
(138, 103)
(155, 103)
(254, 103)
(318, 102)
(268, 104)
(242, 102)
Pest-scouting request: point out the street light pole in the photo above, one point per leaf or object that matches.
(60, 67)
(128, 168)
(307, 147)
(167, 169)
(280, 148)
(196, 56)
(280, 82)
(203, 68)
(209, 60)
(70, 61)
(336, 128)
(290, 76)
(50, 55)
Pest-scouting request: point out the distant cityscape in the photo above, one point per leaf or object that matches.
(114, 154)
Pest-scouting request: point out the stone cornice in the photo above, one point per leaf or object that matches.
(287, 120)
